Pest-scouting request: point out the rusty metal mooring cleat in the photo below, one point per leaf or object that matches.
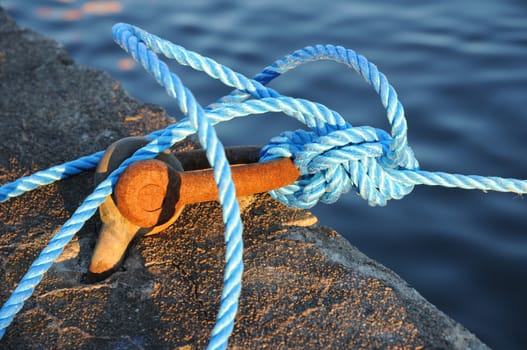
(150, 195)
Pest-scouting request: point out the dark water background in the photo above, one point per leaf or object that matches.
(460, 68)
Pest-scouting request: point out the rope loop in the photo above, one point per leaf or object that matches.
(333, 163)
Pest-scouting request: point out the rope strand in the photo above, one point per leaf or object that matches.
(333, 157)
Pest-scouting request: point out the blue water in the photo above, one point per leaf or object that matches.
(460, 68)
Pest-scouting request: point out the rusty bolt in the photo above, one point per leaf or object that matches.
(149, 193)
(116, 233)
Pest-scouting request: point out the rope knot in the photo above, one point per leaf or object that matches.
(335, 161)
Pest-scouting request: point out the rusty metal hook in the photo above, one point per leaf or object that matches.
(151, 194)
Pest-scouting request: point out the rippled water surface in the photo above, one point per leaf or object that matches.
(460, 69)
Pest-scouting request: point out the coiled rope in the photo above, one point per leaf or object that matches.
(333, 156)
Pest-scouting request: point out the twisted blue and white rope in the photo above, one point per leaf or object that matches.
(333, 156)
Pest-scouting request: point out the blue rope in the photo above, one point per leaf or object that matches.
(333, 157)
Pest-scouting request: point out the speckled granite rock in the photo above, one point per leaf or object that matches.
(304, 285)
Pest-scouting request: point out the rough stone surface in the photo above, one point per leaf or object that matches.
(304, 285)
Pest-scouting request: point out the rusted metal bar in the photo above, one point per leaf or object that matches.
(149, 192)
